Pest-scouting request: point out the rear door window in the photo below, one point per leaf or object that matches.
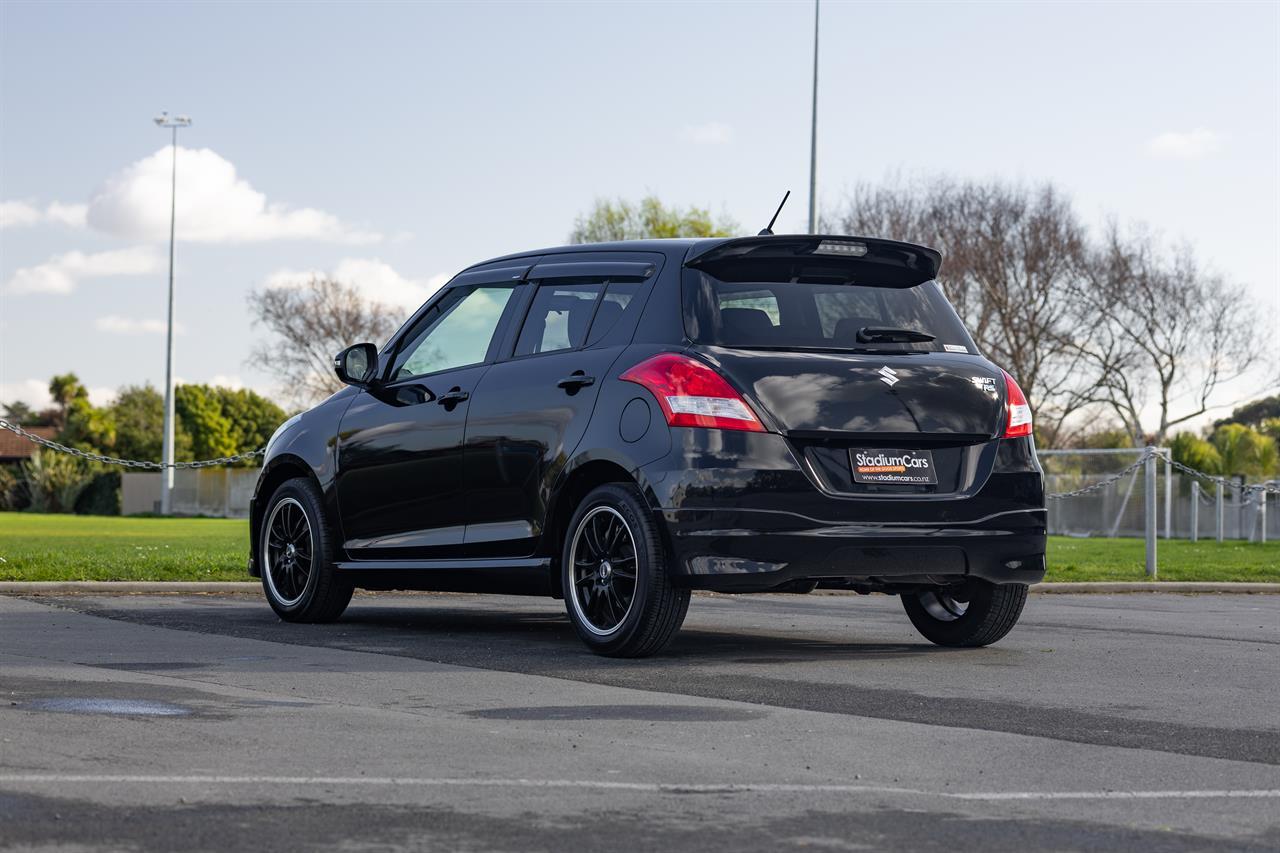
(559, 317)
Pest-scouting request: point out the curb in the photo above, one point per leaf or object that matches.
(126, 587)
(224, 587)
(1158, 586)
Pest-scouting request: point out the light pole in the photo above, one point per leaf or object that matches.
(166, 473)
(813, 132)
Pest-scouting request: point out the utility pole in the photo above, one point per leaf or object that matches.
(166, 473)
(813, 132)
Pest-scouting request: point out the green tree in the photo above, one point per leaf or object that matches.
(1193, 451)
(1245, 451)
(87, 427)
(1109, 437)
(650, 218)
(54, 480)
(64, 389)
(225, 421)
(19, 413)
(200, 411)
(253, 418)
(1271, 427)
(138, 412)
(1254, 413)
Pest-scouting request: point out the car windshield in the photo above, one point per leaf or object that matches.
(813, 310)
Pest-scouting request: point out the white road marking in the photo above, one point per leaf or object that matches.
(1120, 795)
(650, 787)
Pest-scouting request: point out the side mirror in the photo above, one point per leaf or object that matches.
(357, 365)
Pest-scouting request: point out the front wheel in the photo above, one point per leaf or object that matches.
(975, 613)
(297, 548)
(614, 576)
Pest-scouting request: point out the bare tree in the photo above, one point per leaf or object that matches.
(1182, 331)
(1014, 267)
(1118, 324)
(310, 322)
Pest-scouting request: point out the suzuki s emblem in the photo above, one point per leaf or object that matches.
(888, 375)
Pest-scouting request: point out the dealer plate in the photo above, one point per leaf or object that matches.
(893, 467)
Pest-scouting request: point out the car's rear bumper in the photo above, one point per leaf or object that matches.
(751, 529)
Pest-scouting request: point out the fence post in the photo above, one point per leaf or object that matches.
(1195, 510)
(1220, 509)
(1262, 515)
(1149, 464)
(1168, 496)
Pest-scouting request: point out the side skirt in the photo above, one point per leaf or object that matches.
(528, 576)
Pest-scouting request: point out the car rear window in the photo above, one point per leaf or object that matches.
(816, 308)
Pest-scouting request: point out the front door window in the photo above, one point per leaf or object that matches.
(456, 333)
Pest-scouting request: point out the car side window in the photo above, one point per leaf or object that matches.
(559, 317)
(455, 333)
(617, 296)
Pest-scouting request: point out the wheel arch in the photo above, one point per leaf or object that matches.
(579, 478)
(279, 470)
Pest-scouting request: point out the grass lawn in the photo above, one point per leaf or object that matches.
(107, 548)
(1176, 560)
(68, 547)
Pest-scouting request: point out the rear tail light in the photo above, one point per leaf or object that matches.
(692, 394)
(1019, 413)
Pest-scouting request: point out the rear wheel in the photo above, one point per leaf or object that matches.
(614, 576)
(975, 613)
(297, 547)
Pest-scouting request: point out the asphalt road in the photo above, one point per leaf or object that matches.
(774, 722)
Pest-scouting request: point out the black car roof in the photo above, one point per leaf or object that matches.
(693, 247)
(674, 246)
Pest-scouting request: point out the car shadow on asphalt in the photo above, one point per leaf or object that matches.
(552, 631)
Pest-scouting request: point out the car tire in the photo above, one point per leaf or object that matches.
(297, 549)
(618, 595)
(976, 613)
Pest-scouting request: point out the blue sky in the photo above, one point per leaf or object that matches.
(400, 142)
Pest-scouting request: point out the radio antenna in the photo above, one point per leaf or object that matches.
(768, 229)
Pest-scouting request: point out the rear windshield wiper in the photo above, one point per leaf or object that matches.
(878, 335)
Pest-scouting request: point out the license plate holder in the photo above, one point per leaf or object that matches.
(883, 467)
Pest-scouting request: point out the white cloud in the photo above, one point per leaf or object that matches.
(117, 325)
(35, 393)
(61, 273)
(374, 278)
(103, 396)
(1192, 144)
(711, 133)
(14, 214)
(214, 205)
(235, 383)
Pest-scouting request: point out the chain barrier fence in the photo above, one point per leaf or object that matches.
(1153, 497)
(203, 487)
(1088, 496)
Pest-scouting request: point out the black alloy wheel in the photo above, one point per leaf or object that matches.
(288, 551)
(603, 557)
(296, 550)
(614, 575)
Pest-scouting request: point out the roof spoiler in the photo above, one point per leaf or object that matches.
(917, 262)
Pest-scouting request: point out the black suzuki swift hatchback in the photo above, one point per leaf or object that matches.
(619, 424)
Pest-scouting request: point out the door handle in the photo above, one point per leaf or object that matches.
(452, 397)
(575, 381)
